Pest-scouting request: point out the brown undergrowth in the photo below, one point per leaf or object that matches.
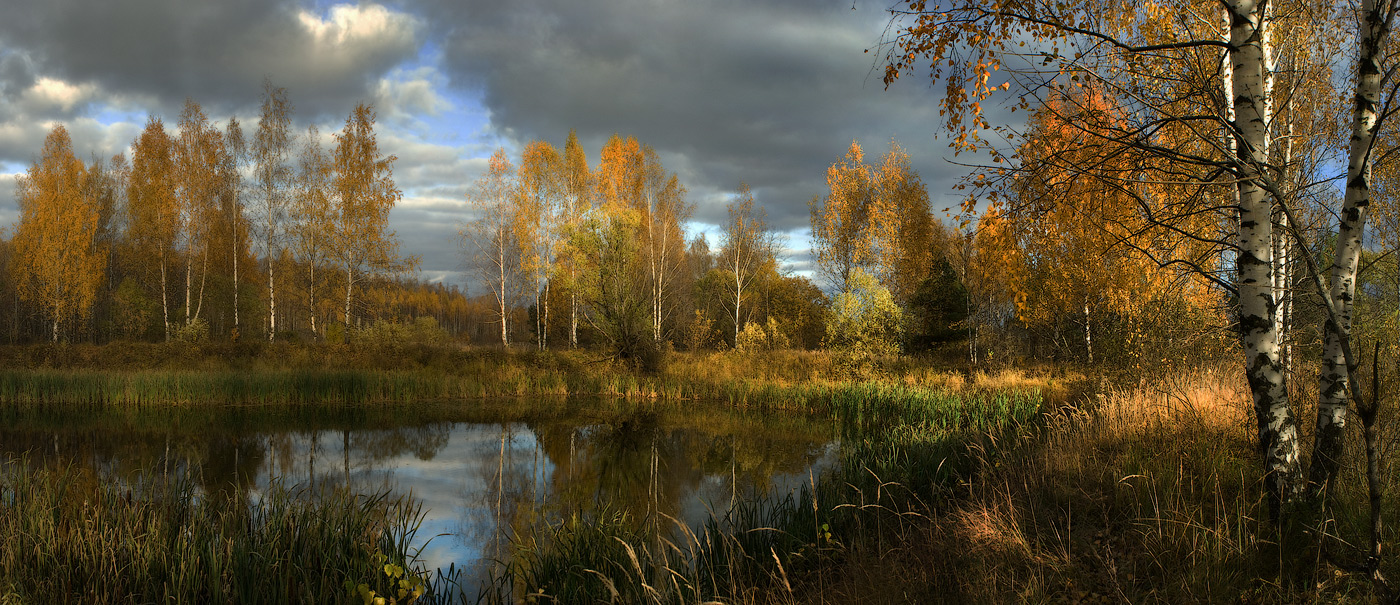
(1148, 493)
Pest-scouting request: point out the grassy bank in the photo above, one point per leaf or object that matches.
(277, 374)
(77, 537)
(1148, 493)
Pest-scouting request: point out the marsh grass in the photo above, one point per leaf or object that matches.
(328, 375)
(78, 537)
(1146, 493)
(902, 447)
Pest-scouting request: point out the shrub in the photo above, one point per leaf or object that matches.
(756, 337)
(194, 332)
(864, 320)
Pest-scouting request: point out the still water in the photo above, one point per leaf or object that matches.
(483, 470)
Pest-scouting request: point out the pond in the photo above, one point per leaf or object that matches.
(483, 470)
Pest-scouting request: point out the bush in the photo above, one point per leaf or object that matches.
(699, 332)
(864, 320)
(194, 332)
(424, 330)
(756, 337)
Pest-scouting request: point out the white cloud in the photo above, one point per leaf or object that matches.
(48, 94)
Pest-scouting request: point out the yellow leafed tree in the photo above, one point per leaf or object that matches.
(363, 182)
(152, 209)
(839, 241)
(1065, 242)
(57, 265)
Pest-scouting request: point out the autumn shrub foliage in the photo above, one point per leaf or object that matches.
(864, 319)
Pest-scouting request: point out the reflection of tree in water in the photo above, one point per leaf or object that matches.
(230, 464)
(634, 462)
(423, 441)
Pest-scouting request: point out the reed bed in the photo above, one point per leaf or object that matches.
(902, 447)
(77, 537)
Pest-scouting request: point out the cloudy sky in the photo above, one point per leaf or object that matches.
(768, 92)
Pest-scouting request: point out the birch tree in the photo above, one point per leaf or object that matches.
(662, 208)
(901, 225)
(839, 241)
(1134, 49)
(1335, 385)
(231, 204)
(539, 220)
(578, 195)
(153, 214)
(197, 161)
(363, 183)
(490, 240)
(311, 228)
(747, 249)
(56, 263)
(272, 173)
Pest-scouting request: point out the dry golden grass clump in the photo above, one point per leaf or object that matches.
(1144, 493)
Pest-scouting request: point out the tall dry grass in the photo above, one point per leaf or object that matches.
(1146, 493)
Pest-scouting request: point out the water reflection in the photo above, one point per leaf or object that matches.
(483, 471)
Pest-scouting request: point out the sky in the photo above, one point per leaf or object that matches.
(767, 92)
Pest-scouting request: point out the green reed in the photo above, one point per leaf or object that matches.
(72, 536)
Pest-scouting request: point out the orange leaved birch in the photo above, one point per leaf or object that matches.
(56, 263)
(152, 209)
(363, 183)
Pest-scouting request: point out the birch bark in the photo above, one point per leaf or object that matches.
(1334, 386)
(1278, 431)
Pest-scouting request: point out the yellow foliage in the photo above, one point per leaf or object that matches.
(57, 264)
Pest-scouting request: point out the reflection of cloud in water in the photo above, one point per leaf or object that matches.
(479, 482)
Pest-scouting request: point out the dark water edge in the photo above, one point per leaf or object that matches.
(484, 471)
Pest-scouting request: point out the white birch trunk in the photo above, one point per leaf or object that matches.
(189, 281)
(311, 294)
(235, 282)
(1334, 380)
(272, 298)
(164, 298)
(501, 284)
(1278, 434)
(349, 288)
(1088, 335)
(738, 289)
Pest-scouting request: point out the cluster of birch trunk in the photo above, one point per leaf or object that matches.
(612, 239)
(1228, 113)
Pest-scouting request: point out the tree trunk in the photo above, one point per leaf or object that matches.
(573, 309)
(189, 283)
(236, 330)
(164, 298)
(311, 295)
(203, 279)
(349, 289)
(501, 294)
(272, 298)
(738, 299)
(1337, 362)
(1278, 432)
(1088, 335)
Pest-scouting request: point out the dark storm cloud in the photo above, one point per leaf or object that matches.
(215, 52)
(769, 93)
